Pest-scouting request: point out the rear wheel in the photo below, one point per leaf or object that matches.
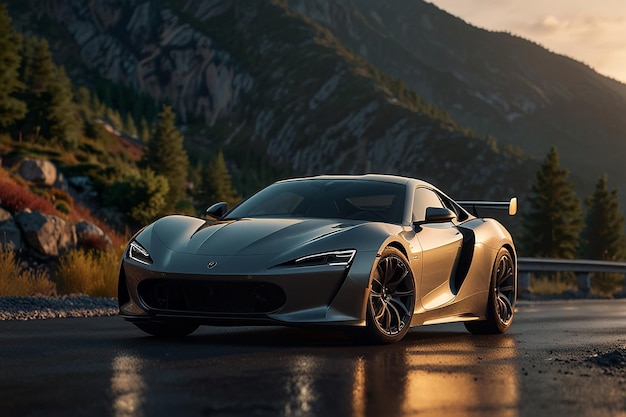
(168, 330)
(391, 300)
(502, 297)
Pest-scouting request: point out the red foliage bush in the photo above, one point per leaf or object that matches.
(15, 198)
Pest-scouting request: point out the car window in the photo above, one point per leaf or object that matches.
(461, 214)
(282, 203)
(423, 199)
(322, 198)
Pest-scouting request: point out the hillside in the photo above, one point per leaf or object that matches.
(495, 83)
(280, 94)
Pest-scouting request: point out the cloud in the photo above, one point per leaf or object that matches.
(574, 25)
(551, 24)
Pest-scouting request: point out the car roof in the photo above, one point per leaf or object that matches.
(367, 177)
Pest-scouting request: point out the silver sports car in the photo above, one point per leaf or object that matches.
(376, 252)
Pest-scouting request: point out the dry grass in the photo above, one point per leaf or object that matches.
(604, 284)
(549, 286)
(16, 281)
(94, 273)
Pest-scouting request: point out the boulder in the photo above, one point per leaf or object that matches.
(10, 234)
(46, 234)
(5, 215)
(39, 171)
(90, 236)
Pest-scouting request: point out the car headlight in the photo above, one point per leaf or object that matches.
(334, 258)
(138, 253)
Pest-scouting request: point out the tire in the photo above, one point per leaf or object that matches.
(167, 329)
(502, 297)
(391, 300)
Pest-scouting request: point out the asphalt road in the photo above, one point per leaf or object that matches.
(559, 359)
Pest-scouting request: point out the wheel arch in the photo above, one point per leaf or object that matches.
(397, 245)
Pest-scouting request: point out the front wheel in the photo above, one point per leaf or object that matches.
(166, 329)
(391, 300)
(502, 297)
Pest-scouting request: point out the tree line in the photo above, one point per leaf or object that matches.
(555, 225)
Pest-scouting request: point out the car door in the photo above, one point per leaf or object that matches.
(441, 244)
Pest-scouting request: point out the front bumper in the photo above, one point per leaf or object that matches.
(318, 295)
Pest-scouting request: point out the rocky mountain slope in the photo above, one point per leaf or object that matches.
(276, 90)
(495, 83)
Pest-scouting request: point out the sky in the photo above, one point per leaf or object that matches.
(590, 31)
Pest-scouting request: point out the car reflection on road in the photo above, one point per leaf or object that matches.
(428, 381)
(127, 386)
(425, 377)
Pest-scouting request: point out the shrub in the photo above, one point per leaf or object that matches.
(56, 194)
(94, 273)
(15, 198)
(16, 281)
(62, 207)
(141, 195)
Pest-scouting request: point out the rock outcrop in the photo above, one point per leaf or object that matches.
(46, 234)
(151, 47)
(42, 235)
(39, 171)
(91, 236)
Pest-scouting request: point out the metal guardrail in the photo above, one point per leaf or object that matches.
(581, 267)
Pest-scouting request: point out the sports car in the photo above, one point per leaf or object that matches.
(378, 253)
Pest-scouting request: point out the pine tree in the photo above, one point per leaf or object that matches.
(166, 156)
(603, 235)
(553, 217)
(216, 184)
(39, 75)
(129, 125)
(51, 112)
(11, 107)
(61, 117)
(145, 130)
(114, 118)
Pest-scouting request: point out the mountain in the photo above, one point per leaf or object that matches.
(277, 91)
(495, 83)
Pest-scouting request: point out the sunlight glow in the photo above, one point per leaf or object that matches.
(591, 32)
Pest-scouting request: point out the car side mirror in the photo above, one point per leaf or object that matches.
(439, 215)
(435, 215)
(217, 210)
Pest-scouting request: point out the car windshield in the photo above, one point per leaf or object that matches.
(327, 198)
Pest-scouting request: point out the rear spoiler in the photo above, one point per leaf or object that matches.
(473, 206)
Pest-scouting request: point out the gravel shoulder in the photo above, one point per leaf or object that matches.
(31, 308)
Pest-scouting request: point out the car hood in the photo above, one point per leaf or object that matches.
(246, 236)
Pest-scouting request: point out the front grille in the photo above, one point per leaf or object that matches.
(211, 297)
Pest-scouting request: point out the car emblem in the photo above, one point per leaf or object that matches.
(211, 264)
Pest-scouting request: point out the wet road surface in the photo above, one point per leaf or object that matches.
(546, 365)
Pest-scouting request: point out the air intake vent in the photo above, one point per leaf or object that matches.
(211, 297)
